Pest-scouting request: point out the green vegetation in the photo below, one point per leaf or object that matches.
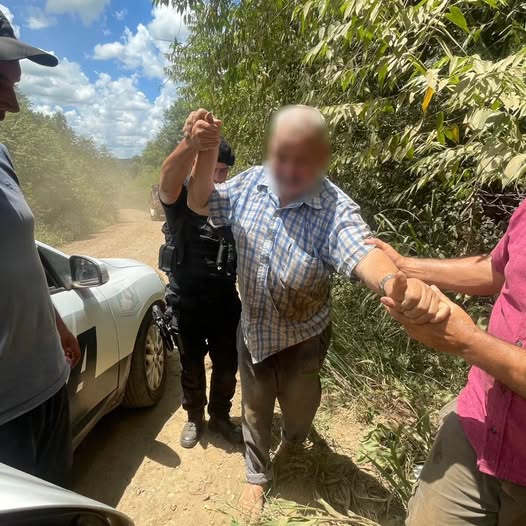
(427, 103)
(70, 182)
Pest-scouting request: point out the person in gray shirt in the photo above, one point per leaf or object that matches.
(36, 348)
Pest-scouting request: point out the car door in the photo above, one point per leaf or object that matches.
(87, 314)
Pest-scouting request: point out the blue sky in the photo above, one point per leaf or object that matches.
(110, 82)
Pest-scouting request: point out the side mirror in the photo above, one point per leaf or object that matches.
(87, 272)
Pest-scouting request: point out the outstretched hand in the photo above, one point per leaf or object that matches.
(387, 249)
(417, 302)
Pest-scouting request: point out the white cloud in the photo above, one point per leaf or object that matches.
(40, 20)
(121, 15)
(145, 49)
(114, 112)
(9, 15)
(137, 51)
(167, 24)
(87, 10)
(64, 85)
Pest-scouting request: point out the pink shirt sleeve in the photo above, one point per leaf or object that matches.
(499, 255)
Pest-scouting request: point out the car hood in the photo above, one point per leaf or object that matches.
(122, 263)
(20, 491)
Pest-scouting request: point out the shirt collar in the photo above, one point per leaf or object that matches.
(312, 198)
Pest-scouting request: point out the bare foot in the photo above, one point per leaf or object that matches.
(251, 503)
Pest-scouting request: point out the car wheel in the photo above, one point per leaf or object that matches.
(147, 378)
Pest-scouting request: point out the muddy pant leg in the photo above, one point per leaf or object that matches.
(223, 353)
(39, 441)
(299, 388)
(258, 392)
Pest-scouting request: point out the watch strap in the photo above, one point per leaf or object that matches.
(385, 279)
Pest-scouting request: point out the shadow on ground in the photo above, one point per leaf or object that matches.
(321, 472)
(109, 457)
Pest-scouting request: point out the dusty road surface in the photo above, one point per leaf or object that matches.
(132, 459)
(134, 236)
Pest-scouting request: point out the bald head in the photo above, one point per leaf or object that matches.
(298, 150)
(303, 121)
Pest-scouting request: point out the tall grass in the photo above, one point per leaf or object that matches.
(393, 384)
(374, 366)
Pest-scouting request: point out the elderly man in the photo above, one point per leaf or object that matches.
(36, 348)
(293, 228)
(476, 472)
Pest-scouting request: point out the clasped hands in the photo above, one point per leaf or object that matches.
(425, 312)
(412, 301)
(202, 130)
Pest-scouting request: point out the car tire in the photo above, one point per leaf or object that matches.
(147, 378)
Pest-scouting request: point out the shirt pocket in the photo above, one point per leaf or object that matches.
(301, 285)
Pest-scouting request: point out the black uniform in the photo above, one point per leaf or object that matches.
(206, 306)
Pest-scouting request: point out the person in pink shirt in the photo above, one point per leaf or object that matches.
(476, 471)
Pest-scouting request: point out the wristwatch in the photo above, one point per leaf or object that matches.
(385, 279)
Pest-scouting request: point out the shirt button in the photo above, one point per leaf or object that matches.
(519, 343)
(493, 429)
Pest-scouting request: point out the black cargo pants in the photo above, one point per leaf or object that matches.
(207, 324)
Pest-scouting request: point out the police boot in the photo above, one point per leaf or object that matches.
(192, 431)
(225, 427)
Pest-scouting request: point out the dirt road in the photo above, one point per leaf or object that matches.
(132, 459)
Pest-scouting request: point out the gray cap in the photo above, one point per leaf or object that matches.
(13, 49)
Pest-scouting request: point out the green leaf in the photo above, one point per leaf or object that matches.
(514, 169)
(455, 15)
(382, 72)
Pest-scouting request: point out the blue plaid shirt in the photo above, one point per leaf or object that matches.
(286, 256)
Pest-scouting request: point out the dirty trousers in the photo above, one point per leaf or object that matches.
(453, 492)
(292, 377)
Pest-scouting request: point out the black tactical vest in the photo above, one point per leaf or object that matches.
(197, 252)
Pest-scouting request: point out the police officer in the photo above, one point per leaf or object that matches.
(200, 262)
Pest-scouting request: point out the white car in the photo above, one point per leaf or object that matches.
(107, 304)
(28, 501)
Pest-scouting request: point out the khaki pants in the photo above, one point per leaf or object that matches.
(453, 492)
(290, 376)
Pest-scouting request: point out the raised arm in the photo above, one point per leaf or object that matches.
(178, 165)
(201, 183)
(471, 275)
